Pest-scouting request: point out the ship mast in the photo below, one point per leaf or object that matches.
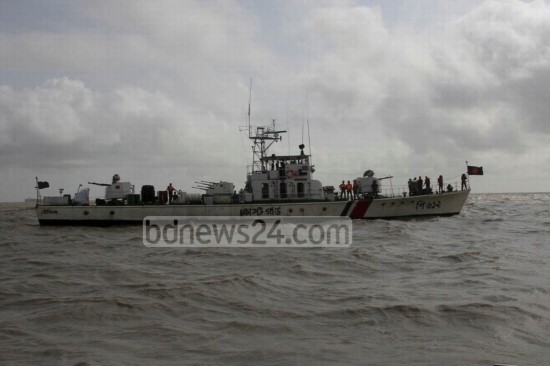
(263, 138)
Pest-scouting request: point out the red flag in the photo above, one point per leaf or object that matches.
(475, 170)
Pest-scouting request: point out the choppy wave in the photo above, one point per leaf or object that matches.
(466, 290)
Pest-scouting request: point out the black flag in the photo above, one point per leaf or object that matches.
(42, 185)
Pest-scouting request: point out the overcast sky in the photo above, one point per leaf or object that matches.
(156, 90)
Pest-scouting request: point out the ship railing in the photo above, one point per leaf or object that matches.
(298, 196)
(403, 191)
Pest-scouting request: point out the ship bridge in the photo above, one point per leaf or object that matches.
(279, 177)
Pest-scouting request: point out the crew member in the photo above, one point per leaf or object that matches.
(464, 178)
(419, 184)
(427, 184)
(355, 189)
(374, 188)
(349, 189)
(414, 186)
(170, 190)
(440, 184)
(343, 190)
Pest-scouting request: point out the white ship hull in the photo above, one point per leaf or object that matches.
(445, 204)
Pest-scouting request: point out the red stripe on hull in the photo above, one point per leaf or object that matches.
(359, 209)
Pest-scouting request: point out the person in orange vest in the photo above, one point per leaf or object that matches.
(343, 190)
(349, 188)
(355, 189)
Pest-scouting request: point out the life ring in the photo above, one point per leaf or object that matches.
(291, 174)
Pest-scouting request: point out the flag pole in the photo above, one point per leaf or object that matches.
(468, 174)
(37, 192)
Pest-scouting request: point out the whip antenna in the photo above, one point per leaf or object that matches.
(249, 103)
(308, 135)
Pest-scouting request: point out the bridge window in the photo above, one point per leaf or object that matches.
(282, 190)
(300, 189)
(265, 190)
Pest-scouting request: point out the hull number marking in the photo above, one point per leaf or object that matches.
(428, 205)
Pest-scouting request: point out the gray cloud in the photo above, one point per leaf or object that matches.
(63, 123)
(478, 85)
(163, 87)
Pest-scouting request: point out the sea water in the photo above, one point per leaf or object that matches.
(472, 289)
